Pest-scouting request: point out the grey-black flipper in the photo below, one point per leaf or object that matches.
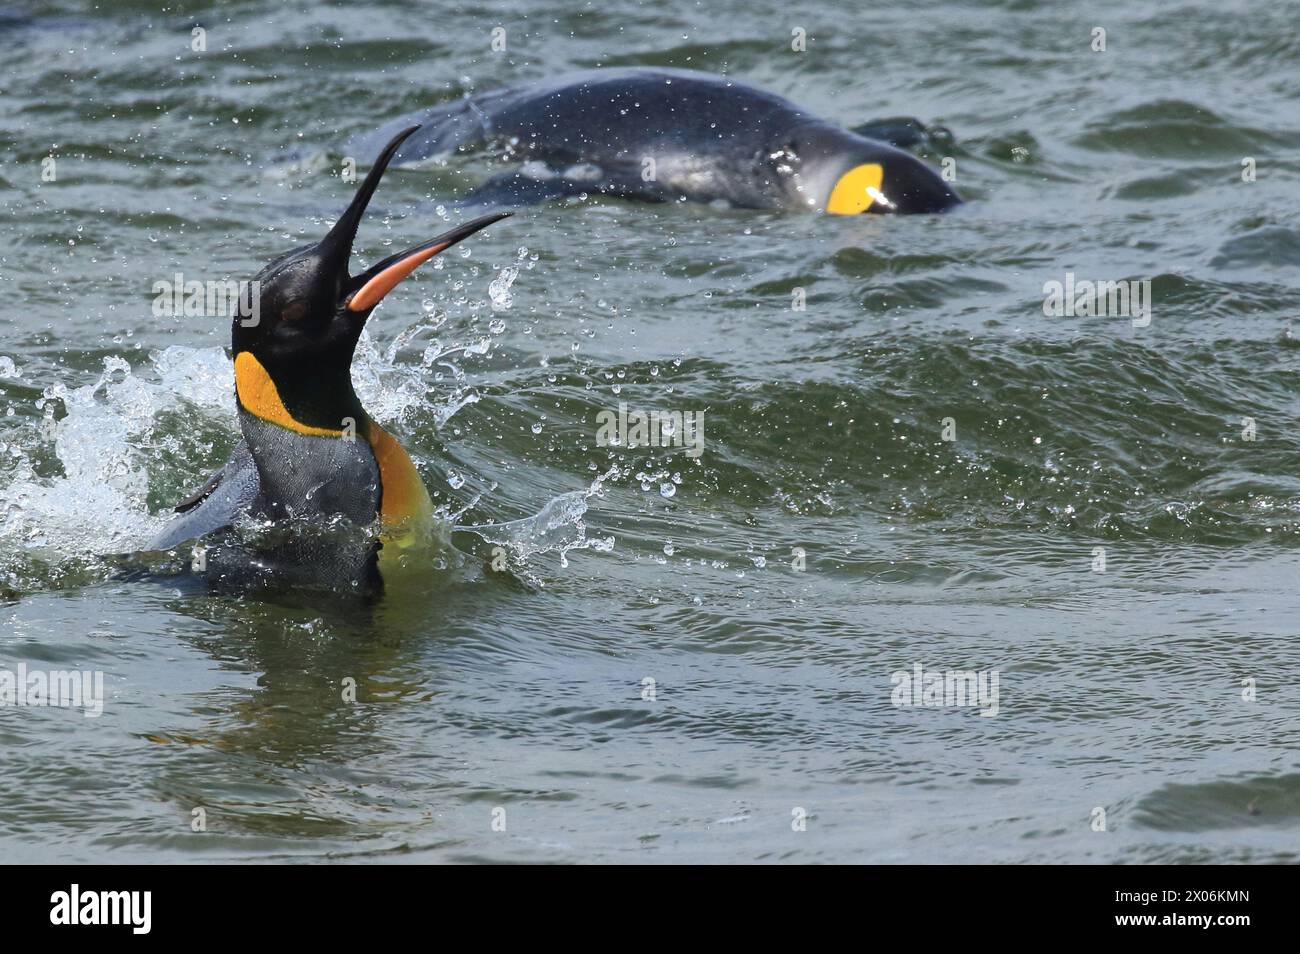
(227, 495)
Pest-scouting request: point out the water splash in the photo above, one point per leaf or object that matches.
(558, 527)
(499, 290)
(75, 468)
(97, 503)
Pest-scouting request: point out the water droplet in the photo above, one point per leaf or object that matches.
(499, 289)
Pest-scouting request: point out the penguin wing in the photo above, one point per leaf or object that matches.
(200, 495)
(216, 504)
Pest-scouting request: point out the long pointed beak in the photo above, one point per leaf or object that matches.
(378, 280)
(337, 245)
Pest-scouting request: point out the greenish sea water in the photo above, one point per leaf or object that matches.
(692, 659)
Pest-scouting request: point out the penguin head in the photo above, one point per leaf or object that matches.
(299, 325)
(844, 173)
(897, 182)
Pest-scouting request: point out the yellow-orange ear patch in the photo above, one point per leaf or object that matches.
(259, 397)
(857, 189)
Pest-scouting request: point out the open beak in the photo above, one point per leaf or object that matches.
(378, 280)
(368, 289)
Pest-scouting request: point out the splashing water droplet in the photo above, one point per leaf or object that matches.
(499, 289)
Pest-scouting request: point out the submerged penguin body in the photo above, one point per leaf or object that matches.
(663, 134)
(315, 494)
(358, 502)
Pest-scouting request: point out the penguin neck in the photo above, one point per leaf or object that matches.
(308, 398)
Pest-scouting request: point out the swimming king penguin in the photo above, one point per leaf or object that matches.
(662, 135)
(334, 501)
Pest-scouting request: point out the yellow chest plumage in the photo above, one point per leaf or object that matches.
(405, 510)
(404, 504)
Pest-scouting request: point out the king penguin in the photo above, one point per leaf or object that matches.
(664, 135)
(315, 493)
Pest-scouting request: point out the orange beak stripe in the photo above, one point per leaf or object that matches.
(373, 291)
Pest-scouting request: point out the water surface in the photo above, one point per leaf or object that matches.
(1120, 690)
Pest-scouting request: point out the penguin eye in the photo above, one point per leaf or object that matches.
(293, 311)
